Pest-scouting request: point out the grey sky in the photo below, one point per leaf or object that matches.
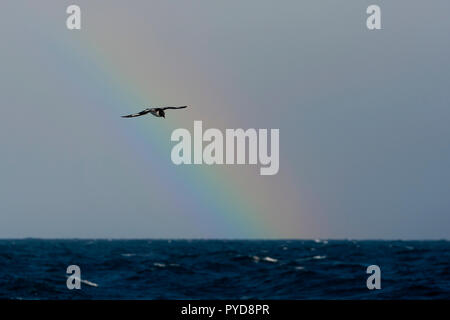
(363, 118)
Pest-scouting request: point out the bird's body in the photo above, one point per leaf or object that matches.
(157, 112)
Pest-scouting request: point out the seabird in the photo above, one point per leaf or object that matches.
(157, 112)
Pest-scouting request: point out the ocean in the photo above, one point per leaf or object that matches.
(224, 269)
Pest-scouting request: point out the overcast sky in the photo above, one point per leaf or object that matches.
(363, 118)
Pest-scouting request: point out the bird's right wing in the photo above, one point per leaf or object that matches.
(138, 114)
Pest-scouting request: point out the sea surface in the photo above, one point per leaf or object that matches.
(224, 269)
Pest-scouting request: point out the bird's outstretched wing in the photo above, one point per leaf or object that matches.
(138, 114)
(182, 107)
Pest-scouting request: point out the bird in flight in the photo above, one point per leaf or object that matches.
(157, 112)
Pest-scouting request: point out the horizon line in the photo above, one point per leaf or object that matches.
(226, 239)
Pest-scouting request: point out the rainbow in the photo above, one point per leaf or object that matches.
(213, 187)
(223, 193)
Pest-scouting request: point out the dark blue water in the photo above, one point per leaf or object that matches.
(182, 269)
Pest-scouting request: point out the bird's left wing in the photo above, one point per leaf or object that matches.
(138, 114)
(182, 107)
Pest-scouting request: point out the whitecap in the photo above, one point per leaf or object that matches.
(157, 264)
(319, 257)
(128, 254)
(89, 283)
(256, 258)
(269, 259)
(299, 268)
